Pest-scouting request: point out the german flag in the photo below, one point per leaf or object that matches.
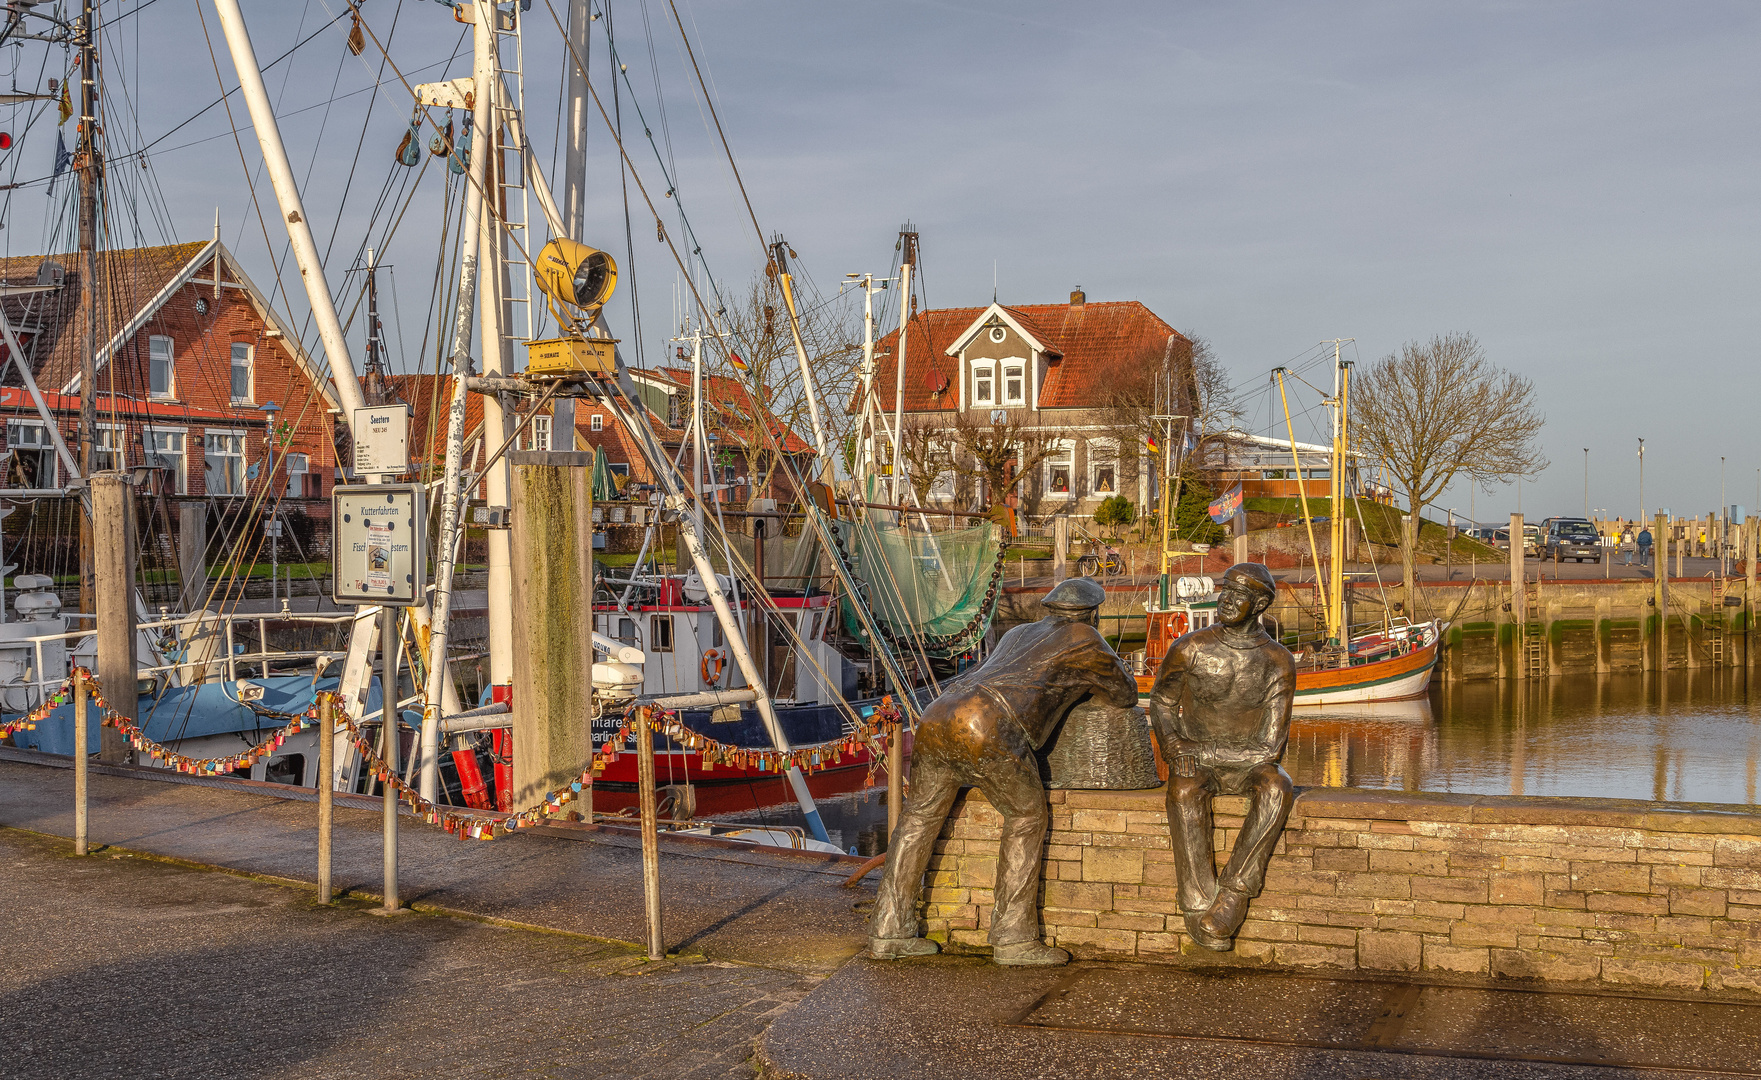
(1152, 441)
(734, 358)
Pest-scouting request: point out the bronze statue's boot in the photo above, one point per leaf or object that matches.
(1227, 914)
(882, 948)
(1195, 929)
(1029, 954)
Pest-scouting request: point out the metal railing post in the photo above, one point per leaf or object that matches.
(81, 817)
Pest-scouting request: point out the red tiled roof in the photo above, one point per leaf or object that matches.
(56, 320)
(732, 406)
(1085, 341)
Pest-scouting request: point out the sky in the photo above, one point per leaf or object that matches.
(1572, 183)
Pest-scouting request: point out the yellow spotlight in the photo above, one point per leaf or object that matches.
(573, 274)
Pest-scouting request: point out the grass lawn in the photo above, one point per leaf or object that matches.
(1381, 525)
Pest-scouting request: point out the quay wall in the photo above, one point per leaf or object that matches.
(1583, 626)
(1621, 893)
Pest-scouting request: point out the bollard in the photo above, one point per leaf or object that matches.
(326, 792)
(650, 841)
(80, 818)
(895, 782)
(388, 745)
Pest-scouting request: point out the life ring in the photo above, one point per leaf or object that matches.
(711, 667)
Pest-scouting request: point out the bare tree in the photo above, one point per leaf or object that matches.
(1002, 452)
(1177, 377)
(1439, 410)
(757, 328)
(926, 456)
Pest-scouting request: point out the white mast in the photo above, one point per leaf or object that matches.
(494, 348)
(908, 238)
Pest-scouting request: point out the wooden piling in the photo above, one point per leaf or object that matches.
(1751, 544)
(389, 747)
(1519, 600)
(114, 552)
(1660, 595)
(81, 752)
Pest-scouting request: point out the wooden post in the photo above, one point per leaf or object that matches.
(1660, 594)
(389, 745)
(1751, 534)
(326, 792)
(1060, 547)
(81, 820)
(552, 552)
(1519, 597)
(192, 554)
(650, 841)
(114, 552)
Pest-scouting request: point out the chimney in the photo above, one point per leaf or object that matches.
(1077, 296)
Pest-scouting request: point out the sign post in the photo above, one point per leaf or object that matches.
(379, 552)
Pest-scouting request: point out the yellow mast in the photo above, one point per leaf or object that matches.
(1302, 493)
(1336, 518)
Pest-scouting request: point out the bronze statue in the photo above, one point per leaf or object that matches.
(1221, 710)
(983, 732)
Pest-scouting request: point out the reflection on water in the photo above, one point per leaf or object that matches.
(1694, 736)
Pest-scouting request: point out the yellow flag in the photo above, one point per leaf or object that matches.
(66, 104)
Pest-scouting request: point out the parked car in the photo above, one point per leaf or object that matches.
(1571, 538)
(1531, 541)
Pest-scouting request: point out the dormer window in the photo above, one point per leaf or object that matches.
(983, 385)
(1014, 385)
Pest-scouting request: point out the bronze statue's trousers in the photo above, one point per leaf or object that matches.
(1009, 778)
(1269, 795)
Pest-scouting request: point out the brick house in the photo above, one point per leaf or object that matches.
(199, 379)
(666, 396)
(1054, 368)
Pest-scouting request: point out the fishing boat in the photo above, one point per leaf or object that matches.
(1391, 660)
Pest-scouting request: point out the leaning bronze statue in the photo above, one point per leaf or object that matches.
(983, 732)
(1221, 711)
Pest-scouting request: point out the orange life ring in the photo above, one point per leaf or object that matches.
(711, 667)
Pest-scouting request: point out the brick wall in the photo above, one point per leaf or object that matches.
(1659, 895)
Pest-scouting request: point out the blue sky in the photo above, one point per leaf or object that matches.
(1573, 183)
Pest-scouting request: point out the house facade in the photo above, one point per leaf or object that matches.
(199, 382)
(1081, 378)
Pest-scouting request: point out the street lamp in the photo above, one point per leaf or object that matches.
(1642, 479)
(1586, 481)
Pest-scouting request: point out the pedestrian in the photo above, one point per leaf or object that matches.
(1644, 547)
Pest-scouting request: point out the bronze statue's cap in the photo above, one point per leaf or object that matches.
(1076, 595)
(1254, 576)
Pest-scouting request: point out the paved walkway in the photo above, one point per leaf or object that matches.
(141, 960)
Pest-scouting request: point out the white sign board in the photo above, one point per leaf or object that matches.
(378, 546)
(382, 439)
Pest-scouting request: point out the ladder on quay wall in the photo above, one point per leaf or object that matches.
(1534, 632)
(1715, 627)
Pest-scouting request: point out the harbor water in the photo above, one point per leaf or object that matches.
(1688, 736)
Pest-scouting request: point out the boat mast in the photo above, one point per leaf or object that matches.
(907, 258)
(90, 156)
(1338, 492)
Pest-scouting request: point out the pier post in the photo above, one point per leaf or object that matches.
(1519, 598)
(1660, 593)
(1751, 536)
(326, 792)
(1060, 547)
(113, 551)
(650, 841)
(192, 559)
(552, 542)
(81, 820)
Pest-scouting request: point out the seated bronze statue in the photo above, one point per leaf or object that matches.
(983, 731)
(1221, 711)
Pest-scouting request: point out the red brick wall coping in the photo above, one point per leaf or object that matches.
(1630, 893)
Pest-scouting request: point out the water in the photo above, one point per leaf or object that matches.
(1693, 736)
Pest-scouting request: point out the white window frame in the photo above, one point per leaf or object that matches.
(302, 472)
(179, 459)
(170, 362)
(597, 423)
(1066, 450)
(242, 458)
(1019, 397)
(112, 439)
(943, 488)
(43, 446)
(537, 435)
(984, 374)
(1101, 453)
(250, 367)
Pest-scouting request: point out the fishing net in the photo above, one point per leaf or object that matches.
(931, 590)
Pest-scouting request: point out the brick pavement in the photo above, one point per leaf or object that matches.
(121, 966)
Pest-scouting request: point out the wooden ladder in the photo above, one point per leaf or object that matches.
(1534, 632)
(1715, 627)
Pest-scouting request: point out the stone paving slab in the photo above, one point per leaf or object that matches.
(963, 1018)
(127, 967)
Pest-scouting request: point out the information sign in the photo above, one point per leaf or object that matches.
(378, 544)
(382, 440)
